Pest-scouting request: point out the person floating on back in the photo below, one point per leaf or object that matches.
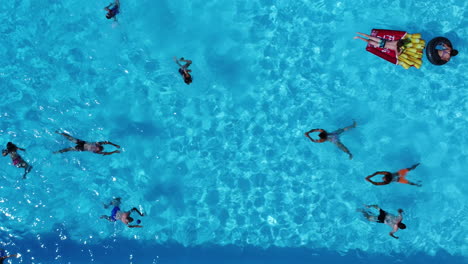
(117, 214)
(332, 137)
(395, 45)
(112, 10)
(391, 220)
(399, 176)
(2, 258)
(95, 147)
(183, 70)
(16, 159)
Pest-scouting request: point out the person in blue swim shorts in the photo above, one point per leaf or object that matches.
(332, 137)
(118, 215)
(112, 10)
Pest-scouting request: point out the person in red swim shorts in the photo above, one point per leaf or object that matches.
(388, 177)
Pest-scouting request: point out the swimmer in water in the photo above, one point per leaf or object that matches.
(332, 137)
(117, 214)
(112, 10)
(2, 258)
(95, 147)
(389, 177)
(17, 160)
(396, 45)
(183, 70)
(446, 51)
(391, 220)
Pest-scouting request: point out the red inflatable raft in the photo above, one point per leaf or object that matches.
(386, 54)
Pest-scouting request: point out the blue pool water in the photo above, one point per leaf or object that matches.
(221, 167)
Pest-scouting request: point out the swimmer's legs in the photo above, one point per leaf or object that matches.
(65, 150)
(134, 209)
(369, 216)
(106, 217)
(415, 184)
(27, 169)
(413, 167)
(371, 38)
(372, 42)
(345, 149)
(341, 130)
(72, 139)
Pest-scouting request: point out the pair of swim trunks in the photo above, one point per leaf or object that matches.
(114, 213)
(381, 217)
(80, 145)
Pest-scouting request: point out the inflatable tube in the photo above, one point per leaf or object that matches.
(386, 54)
(433, 54)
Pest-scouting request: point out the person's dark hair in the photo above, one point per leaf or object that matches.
(101, 148)
(130, 219)
(323, 135)
(387, 178)
(401, 225)
(453, 53)
(11, 146)
(108, 16)
(403, 42)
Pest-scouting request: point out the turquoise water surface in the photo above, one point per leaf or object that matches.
(223, 162)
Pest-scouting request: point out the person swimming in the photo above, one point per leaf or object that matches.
(2, 258)
(95, 147)
(112, 10)
(332, 137)
(399, 176)
(183, 70)
(396, 45)
(395, 222)
(117, 214)
(16, 159)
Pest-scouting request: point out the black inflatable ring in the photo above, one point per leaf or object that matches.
(433, 54)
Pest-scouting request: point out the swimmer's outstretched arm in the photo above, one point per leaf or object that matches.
(106, 217)
(65, 150)
(108, 153)
(368, 178)
(20, 148)
(312, 131)
(9, 256)
(134, 209)
(108, 143)
(344, 148)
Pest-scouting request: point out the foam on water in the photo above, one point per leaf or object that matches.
(224, 160)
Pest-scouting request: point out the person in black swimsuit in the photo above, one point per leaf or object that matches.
(394, 221)
(183, 70)
(95, 147)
